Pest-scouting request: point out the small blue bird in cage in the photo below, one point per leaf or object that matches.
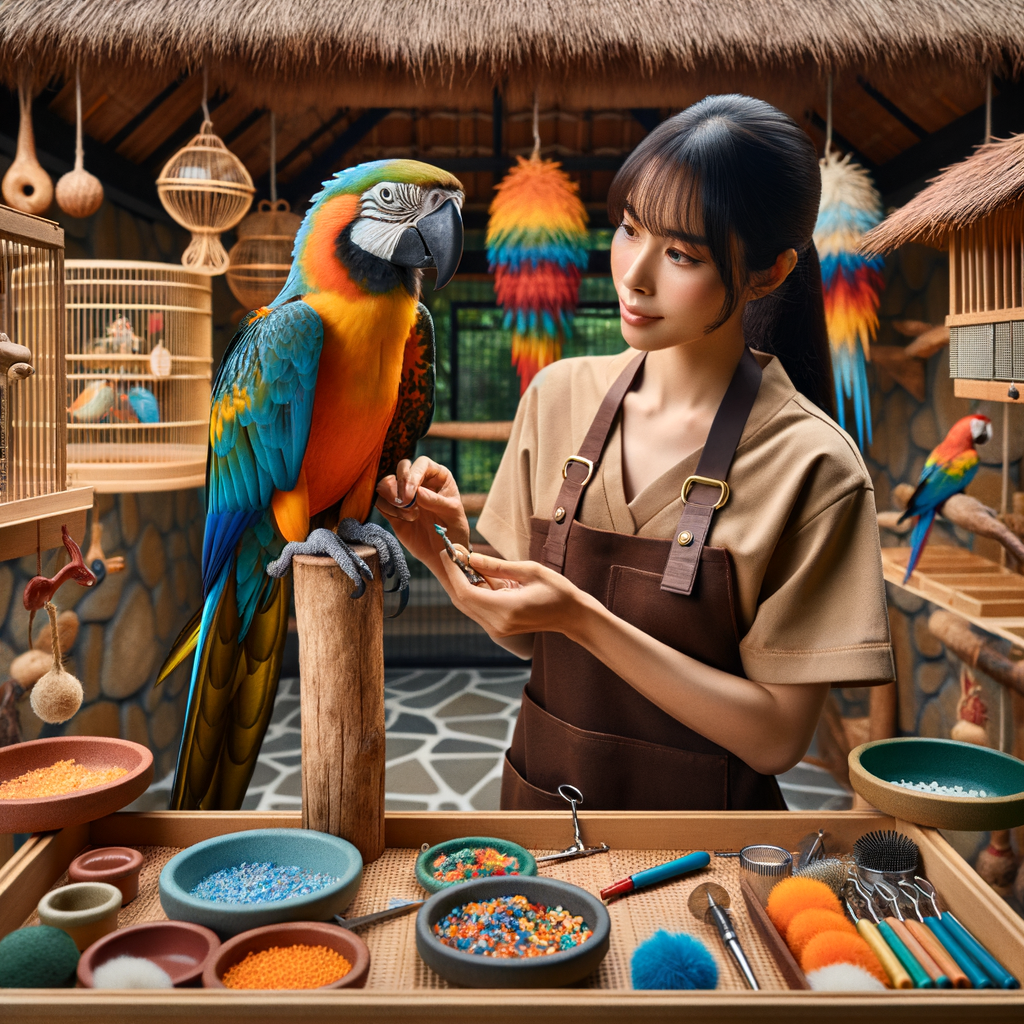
(144, 404)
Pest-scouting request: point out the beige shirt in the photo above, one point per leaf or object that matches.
(800, 521)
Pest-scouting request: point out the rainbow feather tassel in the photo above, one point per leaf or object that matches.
(850, 206)
(537, 251)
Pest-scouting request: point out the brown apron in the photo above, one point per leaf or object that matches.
(581, 723)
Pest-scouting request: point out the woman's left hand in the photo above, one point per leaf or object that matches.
(522, 597)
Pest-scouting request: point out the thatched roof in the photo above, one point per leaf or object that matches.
(990, 179)
(297, 41)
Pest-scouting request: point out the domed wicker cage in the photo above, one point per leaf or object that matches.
(206, 189)
(260, 260)
(35, 500)
(139, 359)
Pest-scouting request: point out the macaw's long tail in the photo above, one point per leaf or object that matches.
(918, 537)
(239, 637)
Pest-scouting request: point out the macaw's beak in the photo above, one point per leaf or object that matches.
(435, 241)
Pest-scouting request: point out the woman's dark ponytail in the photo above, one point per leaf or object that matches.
(789, 324)
(743, 171)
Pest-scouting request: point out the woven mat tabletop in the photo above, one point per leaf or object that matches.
(395, 963)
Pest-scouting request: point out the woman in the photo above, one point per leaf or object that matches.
(691, 549)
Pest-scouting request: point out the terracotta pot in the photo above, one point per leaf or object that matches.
(118, 865)
(292, 933)
(180, 948)
(86, 910)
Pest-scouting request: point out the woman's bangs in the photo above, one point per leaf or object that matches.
(664, 198)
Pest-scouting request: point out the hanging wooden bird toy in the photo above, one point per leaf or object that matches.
(850, 207)
(537, 251)
(206, 189)
(79, 193)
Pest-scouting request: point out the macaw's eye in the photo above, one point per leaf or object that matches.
(385, 195)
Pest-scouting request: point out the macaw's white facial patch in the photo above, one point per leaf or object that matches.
(389, 208)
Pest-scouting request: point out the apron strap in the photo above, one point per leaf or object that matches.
(578, 469)
(707, 490)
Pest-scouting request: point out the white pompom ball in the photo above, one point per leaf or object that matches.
(130, 972)
(843, 978)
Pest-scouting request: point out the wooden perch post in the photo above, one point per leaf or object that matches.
(976, 651)
(961, 510)
(341, 665)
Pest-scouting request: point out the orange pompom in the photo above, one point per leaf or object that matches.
(792, 895)
(841, 948)
(810, 922)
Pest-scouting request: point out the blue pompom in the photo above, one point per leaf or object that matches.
(668, 961)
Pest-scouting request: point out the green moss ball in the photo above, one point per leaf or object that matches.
(39, 957)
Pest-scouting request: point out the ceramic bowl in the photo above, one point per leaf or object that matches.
(424, 862)
(291, 933)
(46, 814)
(85, 910)
(178, 947)
(118, 865)
(874, 765)
(312, 851)
(551, 971)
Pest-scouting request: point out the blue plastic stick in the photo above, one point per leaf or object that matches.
(945, 935)
(1000, 976)
(917, 973)
(672, 869)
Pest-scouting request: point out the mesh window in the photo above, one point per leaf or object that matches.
(971, 352)
(1017, 331)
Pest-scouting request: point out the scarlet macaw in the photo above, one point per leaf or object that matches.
(947, 471)
(318, 396)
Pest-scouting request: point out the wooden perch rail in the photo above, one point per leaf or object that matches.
(961, 510)
(976, 651)
(456, 430)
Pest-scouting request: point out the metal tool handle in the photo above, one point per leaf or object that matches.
(380, 915)
(728, 935)
(574, 797)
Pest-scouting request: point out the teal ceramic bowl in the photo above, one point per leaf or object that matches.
(874, 766)
(312, 851)
(424, 871)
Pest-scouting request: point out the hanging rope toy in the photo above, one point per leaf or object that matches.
(537, 251)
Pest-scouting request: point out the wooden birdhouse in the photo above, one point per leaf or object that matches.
(139, 358)
(262, 257)
(206, 189)
(35, 500)
(975, 209)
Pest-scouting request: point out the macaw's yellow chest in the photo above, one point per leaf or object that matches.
(356, 392)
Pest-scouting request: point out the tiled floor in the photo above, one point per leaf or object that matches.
(447, 731)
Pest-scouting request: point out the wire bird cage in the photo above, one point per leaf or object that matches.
(262, 257)
(34, 498)
(206, 189)
(139, 356)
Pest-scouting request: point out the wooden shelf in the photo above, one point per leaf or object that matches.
(32, 522)
(984, 593)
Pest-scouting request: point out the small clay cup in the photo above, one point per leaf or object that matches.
(118, 865)
(292, 933)
(178, 947)
(86, 910)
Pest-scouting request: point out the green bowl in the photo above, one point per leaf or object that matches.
(949, 763)
(527, 865)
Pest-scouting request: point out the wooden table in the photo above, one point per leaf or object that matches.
(401, 988)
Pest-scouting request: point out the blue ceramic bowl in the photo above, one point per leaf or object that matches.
(312, 851)
(424, 874)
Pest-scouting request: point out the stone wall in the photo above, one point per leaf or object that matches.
(128, 621)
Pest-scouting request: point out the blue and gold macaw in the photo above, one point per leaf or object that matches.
(319, 395)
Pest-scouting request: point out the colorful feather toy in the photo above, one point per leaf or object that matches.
(537, 251)
(850, 206)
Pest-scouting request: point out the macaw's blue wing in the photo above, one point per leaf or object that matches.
(939, 482)
(415, 408)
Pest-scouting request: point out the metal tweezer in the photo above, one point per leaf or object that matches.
(574, 797)
(380, 915)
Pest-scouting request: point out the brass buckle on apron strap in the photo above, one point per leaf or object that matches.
(583, 462)
(691, 480)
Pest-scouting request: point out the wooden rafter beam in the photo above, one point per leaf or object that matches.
(891, 108)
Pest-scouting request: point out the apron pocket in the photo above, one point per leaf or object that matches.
(614, 773)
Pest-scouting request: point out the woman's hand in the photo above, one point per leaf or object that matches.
(417, 496)
(521, 597)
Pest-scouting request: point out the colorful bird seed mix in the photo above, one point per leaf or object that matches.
(934, 787)
(479, 862)
(57, 779)
(296, 966)
(511, 927)
(260, 883)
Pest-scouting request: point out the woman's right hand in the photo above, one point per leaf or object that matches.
(417, 496)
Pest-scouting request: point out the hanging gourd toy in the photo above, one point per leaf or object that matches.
(79, 193)
(537, 251)
(206, 189)
(26, 186)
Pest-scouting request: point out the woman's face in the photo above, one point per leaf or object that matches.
(669, 290)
